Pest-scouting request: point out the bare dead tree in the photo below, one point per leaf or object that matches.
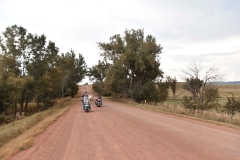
(203, 89)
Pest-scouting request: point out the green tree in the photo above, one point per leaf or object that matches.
(134, 58)
(5, 92)
(163, 89)
(116, 80)
(15, 57)
(151, 92)
(172, 84)
(98, 72)
(28, 93)
(232, 105)
(31, 69)
(97, 75)
(73, 71)
(38, 67)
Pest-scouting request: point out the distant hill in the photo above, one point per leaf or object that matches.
(230, 82)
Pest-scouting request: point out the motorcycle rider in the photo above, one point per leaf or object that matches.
(82, 97)
(98, 97)
(86, 101)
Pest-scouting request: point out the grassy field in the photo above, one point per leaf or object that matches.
(223, 90)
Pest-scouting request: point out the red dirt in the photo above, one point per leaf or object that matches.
(117, 131)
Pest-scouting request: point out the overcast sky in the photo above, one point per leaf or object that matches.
(201, 30)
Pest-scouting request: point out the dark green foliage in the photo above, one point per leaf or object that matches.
(173, 84)
(193, 85)
(31, 69)
(189, 103)
(4, 94)
(97, 75)
(211, 96)
(47, 102)
(149, 92)
(163, 90)
(117, 81)
(200, 98)
(98, 72)
(133, 65)
(233, 105)
(100, 89)
(97, 87)
(73, 71)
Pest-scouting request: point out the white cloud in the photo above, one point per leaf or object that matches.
(200, 29)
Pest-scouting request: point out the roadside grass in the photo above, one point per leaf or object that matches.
(11, 138)
(8, 118)
(174, 106)
(210, 116)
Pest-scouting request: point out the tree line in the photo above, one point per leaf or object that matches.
(31, 69)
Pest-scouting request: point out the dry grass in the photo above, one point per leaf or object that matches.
(168, 108)
(223, 90)
(11, 138)
(211, 115)
(174, 106)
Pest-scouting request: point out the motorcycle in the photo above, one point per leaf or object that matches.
(86, 104)
(98, 102)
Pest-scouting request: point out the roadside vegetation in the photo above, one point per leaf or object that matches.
(130, 70)
(174, 106)
(221, 112)
(11, 138)
(37, 85)
(33, 74)
(226, 112)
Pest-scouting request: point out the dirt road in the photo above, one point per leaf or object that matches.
(116, 131)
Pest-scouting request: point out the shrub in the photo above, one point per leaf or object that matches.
(233, 105)
(189, 103)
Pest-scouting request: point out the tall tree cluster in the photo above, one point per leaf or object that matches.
(133, 65)
(31, 69)
(97, 74)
